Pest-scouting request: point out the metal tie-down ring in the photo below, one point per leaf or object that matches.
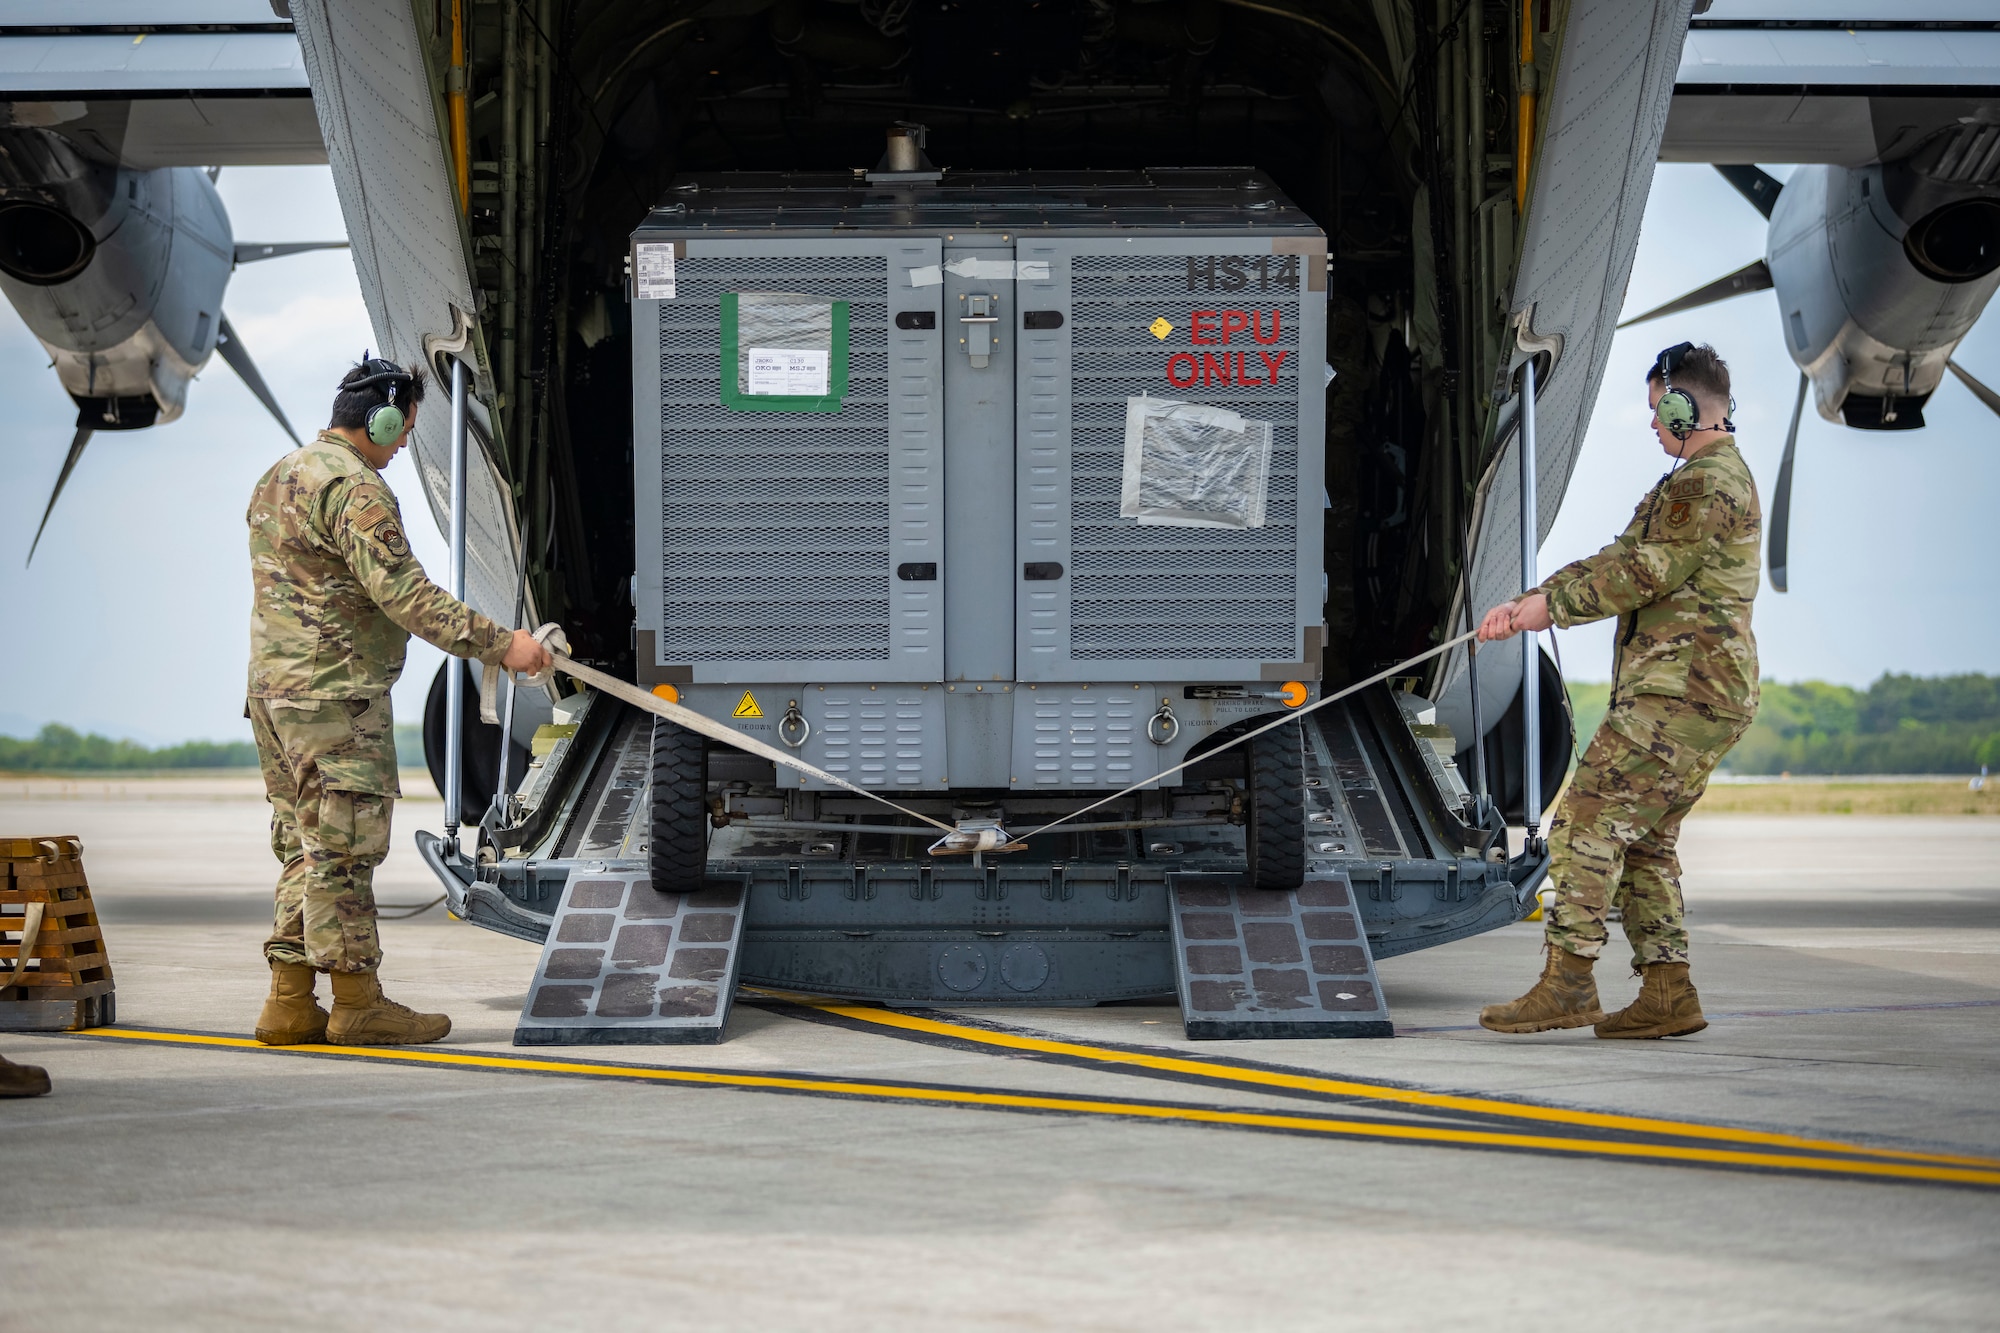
(794, 723)
(1162, 727)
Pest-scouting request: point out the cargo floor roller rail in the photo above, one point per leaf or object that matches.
(994, 493)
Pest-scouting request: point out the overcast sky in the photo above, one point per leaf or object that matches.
(133, 620)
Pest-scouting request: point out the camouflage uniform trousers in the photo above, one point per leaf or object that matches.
(330, 775)
(1612, 842)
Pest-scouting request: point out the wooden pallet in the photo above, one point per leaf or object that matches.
(64, 980)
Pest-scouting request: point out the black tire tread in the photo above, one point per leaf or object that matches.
(677, 849)
(1275, 837)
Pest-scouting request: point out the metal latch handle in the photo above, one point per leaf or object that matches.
(980, 319)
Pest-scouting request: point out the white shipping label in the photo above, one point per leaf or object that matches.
(789, 371)
(653, 271)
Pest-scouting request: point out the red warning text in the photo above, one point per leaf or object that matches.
(1187, 369)
(1207, 328)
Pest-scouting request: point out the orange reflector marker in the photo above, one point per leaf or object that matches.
(668, 692)
(1293, 693)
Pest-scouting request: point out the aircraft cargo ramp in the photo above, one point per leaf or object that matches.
(846, 903)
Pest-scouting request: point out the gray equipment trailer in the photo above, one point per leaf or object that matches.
(996, 493)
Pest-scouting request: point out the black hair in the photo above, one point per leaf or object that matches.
(1698, 370)
(351, 405)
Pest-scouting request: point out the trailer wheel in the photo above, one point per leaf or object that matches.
(1276, 833)
(678, 848)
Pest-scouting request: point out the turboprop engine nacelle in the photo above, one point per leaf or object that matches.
(119, 274)
(1880, 271)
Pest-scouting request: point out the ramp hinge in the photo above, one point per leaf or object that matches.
(1122, 888)
(1058, 889)
(1386, 886)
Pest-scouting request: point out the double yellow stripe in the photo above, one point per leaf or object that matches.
(1273, 1078)
(1009, 1101)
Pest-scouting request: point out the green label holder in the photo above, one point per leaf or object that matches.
(738, 401)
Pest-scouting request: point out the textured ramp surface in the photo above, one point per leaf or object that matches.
(1252, 963)
(626, 965)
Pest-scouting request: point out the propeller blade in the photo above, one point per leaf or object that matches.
(1761, 188)
(1781, 505)
(1752, 277)
(249, 252)
(238, 356)
(1979, 391)
(83, 433)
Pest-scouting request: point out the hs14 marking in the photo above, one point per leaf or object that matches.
(1232, 273)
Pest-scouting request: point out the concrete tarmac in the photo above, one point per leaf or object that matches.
(1850, 967)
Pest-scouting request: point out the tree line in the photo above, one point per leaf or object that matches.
(1899, 724)
(58, 747)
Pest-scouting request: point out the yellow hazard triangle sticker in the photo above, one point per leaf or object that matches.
(747, 706)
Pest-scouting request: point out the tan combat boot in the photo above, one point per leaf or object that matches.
(22, 1080)
(1565, 997)
(364, 1016)
(291, 1016)
(1667, 1006)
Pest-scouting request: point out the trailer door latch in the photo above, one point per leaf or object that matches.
(979, 320)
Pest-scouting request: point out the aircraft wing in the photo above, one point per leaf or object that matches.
(1781, 81)
(188, 83)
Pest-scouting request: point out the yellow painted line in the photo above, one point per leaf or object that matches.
(1025, 1101)
(1220, 1073)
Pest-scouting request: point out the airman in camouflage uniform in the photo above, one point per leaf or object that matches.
(337, 594)
(1681, 579)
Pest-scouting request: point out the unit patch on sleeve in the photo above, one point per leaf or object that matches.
(1680, 513)
(390, 538)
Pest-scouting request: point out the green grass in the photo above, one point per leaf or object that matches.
(1849, 798)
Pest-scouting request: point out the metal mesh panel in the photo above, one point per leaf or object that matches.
(830, 608)
(777, 525)
(1180, 594)
(1142, 586)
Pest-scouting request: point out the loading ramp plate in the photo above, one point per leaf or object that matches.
(1256, 963)
(624, 965)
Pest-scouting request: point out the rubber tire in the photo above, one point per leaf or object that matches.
(1275, 835)
(678, 847)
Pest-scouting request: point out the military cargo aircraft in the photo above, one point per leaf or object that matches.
(1478, 172)
(114, 246)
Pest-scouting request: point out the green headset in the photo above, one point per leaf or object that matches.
(385, 421)
(1676, 412)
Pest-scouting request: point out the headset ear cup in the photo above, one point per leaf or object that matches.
(1676, 411)
(385, 424)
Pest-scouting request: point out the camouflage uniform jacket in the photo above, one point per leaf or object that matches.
(337, 592)
(1680, 579)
